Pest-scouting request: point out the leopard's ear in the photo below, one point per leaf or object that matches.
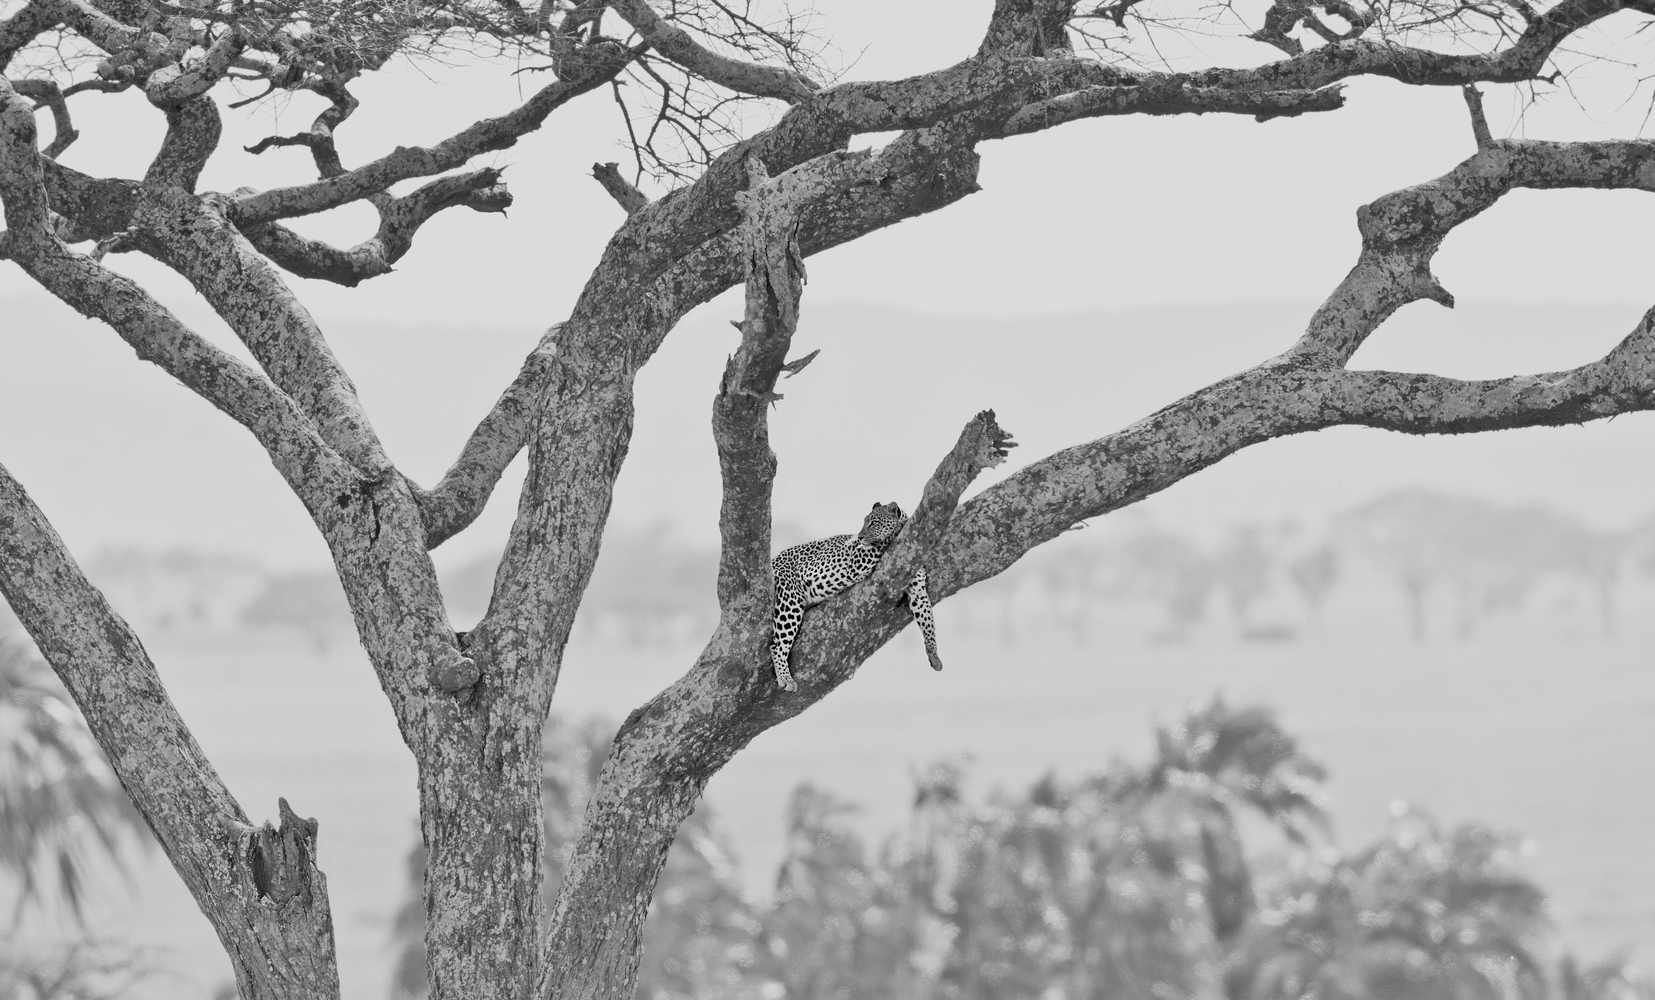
(876, 505)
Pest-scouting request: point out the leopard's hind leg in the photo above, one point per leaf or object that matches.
(919, 603)
(789, 613)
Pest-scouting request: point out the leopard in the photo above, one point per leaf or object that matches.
(808, 574)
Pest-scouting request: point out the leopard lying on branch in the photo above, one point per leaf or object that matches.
(808, 574)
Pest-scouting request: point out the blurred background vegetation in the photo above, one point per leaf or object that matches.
(1207, 870)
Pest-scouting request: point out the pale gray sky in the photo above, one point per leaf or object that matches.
(1101, 214)
(1109, 215)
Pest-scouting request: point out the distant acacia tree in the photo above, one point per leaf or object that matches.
(746, 205)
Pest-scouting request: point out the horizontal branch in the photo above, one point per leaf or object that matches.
(1524, 59)
(95, 207)
(400, 220)
(407, 162)
(1171, 96)
(1277, 399)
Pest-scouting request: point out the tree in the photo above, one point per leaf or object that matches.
(59, 805)
(749, 206)
(1422, 913)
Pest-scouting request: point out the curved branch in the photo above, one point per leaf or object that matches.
(183, 81)
(733, 74)
(32, 20)
(1401, 231)
(46, 94)
(399, 220)
(193, 130)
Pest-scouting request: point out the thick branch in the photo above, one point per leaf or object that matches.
(291, 440)
(193, 130)
(96, 208)
(192, 236)
(775, 281)
(733, 74)
(31, 21)
(1170, 96)
(260, 887)
(982, 445)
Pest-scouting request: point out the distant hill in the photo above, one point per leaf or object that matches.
(117, 454)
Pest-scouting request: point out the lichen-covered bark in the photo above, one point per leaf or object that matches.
(259, 886)
(471, 708)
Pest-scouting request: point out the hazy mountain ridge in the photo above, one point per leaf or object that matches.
(131, 457)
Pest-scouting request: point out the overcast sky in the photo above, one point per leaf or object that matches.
(1114, 214)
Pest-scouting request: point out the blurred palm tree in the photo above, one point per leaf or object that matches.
(60, 805)
(1611, 979)
(1210, 768)
(1422, 914)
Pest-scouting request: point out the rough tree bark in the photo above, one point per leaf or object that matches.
(471, 708)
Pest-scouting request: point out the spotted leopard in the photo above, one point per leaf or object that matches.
(808, 574)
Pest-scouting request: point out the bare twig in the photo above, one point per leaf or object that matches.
(742, 77)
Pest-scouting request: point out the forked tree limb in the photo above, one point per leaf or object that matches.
(400, 220)
(47, 94)
(770, 208)
(982, 445)
(258, 886)
(293, 442)
(1401, 231)
(407, 162)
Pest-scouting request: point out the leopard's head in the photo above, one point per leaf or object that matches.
(882, 524)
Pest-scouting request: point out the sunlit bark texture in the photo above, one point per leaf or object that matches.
(738, 207)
